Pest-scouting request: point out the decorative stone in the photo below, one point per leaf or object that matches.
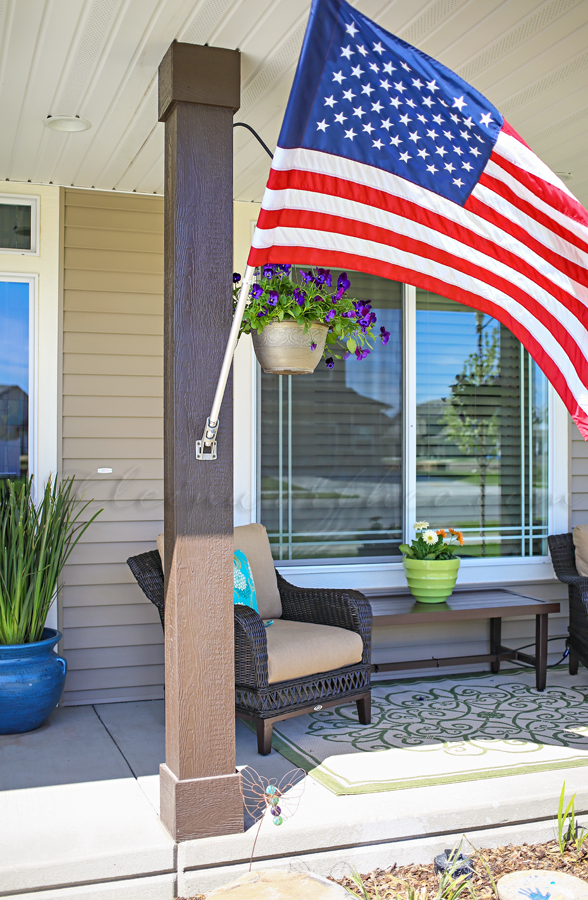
(541, 884)
(275, 884)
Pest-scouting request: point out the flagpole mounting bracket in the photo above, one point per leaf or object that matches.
(206, 448)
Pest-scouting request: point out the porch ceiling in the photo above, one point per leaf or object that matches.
(99, 58)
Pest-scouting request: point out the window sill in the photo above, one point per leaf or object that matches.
(381, 576)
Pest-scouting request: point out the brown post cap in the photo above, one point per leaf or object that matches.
(193, 73)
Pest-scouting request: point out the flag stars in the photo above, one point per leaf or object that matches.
(385, 84)
(422, 119)
(458, 182)
(411, 103)
(441, 151)
(349, 95)
(378, 48)
(486, 119)
(437, 119)
(428, 101)
(339, 77)
(395, 101)
(351, 29)
(357, 71)
(475, 151)
(377, 107)
(374, 67)
(459, 102)
(465, 135)
(404, 66)
(414, 136)
(478, 138)
(330, 101)
(405, 119)
(350, 134)
(455, 118)
(432, 134)
(458, 150)
(448, 135)
(395, 140)
(405, 157)
(432, 169)
(399, 86)
(347, 52)
(367, 89)
(432, 85)
(450, 167)
(358, 111)
(423, 153)
(369, 128)
(417, 83)
(322, 126)
(362, 50)
(377, 144)
(389, 68)
(340, 118)
(386, 124)
(467, 166)
(469, 122)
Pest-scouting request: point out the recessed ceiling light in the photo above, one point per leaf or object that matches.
(565, 176)
(67, 123)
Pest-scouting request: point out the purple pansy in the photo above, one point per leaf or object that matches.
(300, 296)
(267, 271)
(285, 268)
(330, 315)
(273, 298)
(256, 291)
(236, 278)
(323, 276)
(308, 277)
(330, 362)
(384, 335)
(361, 354)
(343, 283)
(263, 312)
(312, 346)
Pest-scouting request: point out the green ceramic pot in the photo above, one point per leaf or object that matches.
(431, 580)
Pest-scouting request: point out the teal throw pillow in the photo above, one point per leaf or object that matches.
(244, 586)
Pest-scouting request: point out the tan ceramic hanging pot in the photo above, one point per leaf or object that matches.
(284, 348)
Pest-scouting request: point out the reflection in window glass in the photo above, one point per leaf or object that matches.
(331, 448)
(481, 431)
(15, 226)
(14, 379)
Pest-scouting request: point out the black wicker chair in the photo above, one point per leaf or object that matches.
(255, 699)
(563, 556)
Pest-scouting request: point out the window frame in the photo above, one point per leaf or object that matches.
(381, 577)
(33, 202)
(33, 283)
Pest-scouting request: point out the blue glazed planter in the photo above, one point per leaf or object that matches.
(32, 677)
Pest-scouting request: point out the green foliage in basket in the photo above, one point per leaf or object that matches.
(36, 541)
(430, 544)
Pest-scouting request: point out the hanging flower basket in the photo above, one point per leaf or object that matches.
(289, 347)
(294, 323)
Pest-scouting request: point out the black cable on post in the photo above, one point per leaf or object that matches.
(255, 135)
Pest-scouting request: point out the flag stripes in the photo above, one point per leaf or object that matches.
(517, 249)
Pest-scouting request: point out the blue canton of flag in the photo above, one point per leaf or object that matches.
(364, 94)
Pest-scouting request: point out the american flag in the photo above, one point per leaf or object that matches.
(388, 163)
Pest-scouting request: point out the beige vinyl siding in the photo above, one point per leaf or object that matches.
(579, 479)
(112, 416)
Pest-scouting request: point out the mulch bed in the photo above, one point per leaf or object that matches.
(395, 882)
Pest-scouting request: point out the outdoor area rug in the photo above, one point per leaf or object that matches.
(443, 729)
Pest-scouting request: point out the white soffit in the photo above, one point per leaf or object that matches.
(98, 59)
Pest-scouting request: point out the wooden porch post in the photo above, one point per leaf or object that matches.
(199, 90)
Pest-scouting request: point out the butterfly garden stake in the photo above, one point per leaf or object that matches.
(279, 798)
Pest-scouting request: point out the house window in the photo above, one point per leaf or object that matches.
(18, 224)
(14, 379)
(447, 423)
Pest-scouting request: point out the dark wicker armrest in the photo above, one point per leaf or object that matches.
(341, 608)
(563, 557)
(250, 648)
(146, 567)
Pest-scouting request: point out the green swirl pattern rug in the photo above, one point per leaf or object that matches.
(442, 730)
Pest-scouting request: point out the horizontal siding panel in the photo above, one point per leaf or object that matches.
(102, 552)
(120, 427)
(116, 657)
(144, 407)
(146, 469)
(112, 573)
(581, 483)
(126, 262)
(88, 201)
(107, 239)
(106, 364)
(111, 636)
(101, 595)
(147, 222)
(131, 676)
(121, 492)
(107, 344)
(579, 467)
(112, 323)
(111, 448)
(133, 282)
(115, 532)
(112, 695)
(101, 301)
(112, 386)
(133, 614)
(149, 510)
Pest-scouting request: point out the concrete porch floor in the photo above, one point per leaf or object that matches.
(79, 814)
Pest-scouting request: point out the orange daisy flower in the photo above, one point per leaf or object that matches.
(442, 532)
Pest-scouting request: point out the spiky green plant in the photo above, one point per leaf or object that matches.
(36, 541)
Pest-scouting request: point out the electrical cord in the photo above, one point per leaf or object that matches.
(524, 665)
(255, 135)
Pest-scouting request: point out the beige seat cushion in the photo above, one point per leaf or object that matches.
(160, 548)
(254, 542)
(580, 536)
(300, 649)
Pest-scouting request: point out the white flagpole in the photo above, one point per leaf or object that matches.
(206, 448)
